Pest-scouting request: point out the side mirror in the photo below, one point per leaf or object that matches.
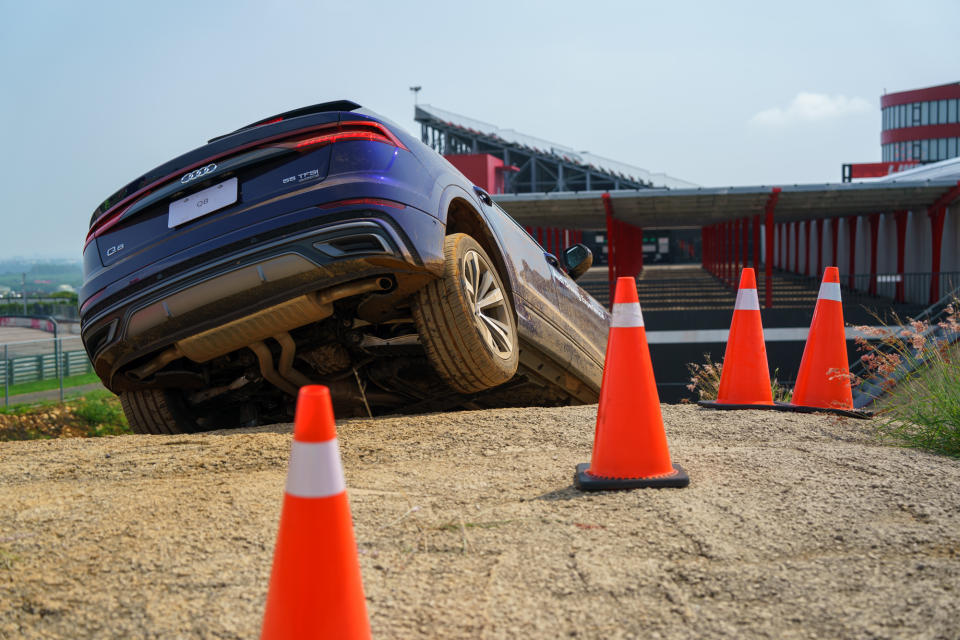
(577, 260)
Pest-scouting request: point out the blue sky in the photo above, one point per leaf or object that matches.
(96, 93)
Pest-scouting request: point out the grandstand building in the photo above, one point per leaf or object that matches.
(506, 161)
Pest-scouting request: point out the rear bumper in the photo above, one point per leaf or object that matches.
(127, 323)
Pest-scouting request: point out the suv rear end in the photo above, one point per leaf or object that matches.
(292, 236)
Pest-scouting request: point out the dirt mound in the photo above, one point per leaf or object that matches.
(468, 527)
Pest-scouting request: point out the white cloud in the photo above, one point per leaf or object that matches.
(811, 107)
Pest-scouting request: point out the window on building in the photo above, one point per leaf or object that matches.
(942, 155)
(924, 150)
(952, 111)
(942, 112)
(924, 113)
(952, 148)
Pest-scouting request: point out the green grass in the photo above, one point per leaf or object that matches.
(94, 414)
(45, 385)
(923, 410)
(917, 372)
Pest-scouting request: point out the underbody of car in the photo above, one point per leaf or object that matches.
(325, 245)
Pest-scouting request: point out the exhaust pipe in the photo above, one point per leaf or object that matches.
(257, 327)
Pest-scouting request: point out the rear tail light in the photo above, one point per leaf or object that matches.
(357, 130)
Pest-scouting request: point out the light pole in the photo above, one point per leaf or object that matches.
(415, 90)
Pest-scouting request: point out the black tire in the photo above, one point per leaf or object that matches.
(156, 411)
(471, 346)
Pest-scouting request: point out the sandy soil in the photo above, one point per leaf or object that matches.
(794, 526)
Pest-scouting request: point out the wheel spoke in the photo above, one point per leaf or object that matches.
(491, 299)
(499, 332)
(486, 283)
(487, 335)
(468, 288)
(475, 273)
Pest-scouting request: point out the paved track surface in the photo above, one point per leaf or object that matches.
(794, 526)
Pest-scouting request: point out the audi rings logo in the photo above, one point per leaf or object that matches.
(198, 173)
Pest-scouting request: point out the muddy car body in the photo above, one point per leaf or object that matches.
(326, 245)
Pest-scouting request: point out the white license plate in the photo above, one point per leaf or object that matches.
(201, 203)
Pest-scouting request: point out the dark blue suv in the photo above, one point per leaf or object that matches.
(326, 245)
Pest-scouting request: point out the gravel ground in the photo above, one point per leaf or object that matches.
(794, 526)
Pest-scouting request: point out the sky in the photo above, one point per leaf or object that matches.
(95, 93)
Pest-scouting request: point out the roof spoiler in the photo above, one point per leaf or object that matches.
(336, 105)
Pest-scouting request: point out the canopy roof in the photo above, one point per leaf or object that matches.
(695, 207)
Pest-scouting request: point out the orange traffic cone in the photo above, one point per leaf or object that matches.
(315, 588)
(745, 377)
(823, 382)
(629, 447)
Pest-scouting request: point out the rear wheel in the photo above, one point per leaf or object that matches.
(157, 411)
(465, 320)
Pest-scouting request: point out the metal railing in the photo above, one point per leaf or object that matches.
(45, 359)
(863, 288)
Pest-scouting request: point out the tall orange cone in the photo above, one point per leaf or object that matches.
(629, 447)
(745, 377)
(823, 382)
(315, 588)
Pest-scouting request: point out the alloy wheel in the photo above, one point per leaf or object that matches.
(485, 299)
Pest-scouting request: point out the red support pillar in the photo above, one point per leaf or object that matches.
(796, 243)
(611, 244)
(806, 247)
(937, 212)
(901, 219)
(768, 260)
(852, 222)
(746, 245)
(835, 232)
(725, 258)
(937, 215)
(819, 230)
(874, 235)
(714, 248)
(723, 251)
(737, 248)
(732, 261)
(703, 247)
(730, 254)
(756, 244)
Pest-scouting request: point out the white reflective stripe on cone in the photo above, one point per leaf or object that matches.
(747, 300)
(829, 291)
(626, 314)
(315, 470)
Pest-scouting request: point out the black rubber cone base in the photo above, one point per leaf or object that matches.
(586, 482)
(713, 404)
(799, 408)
